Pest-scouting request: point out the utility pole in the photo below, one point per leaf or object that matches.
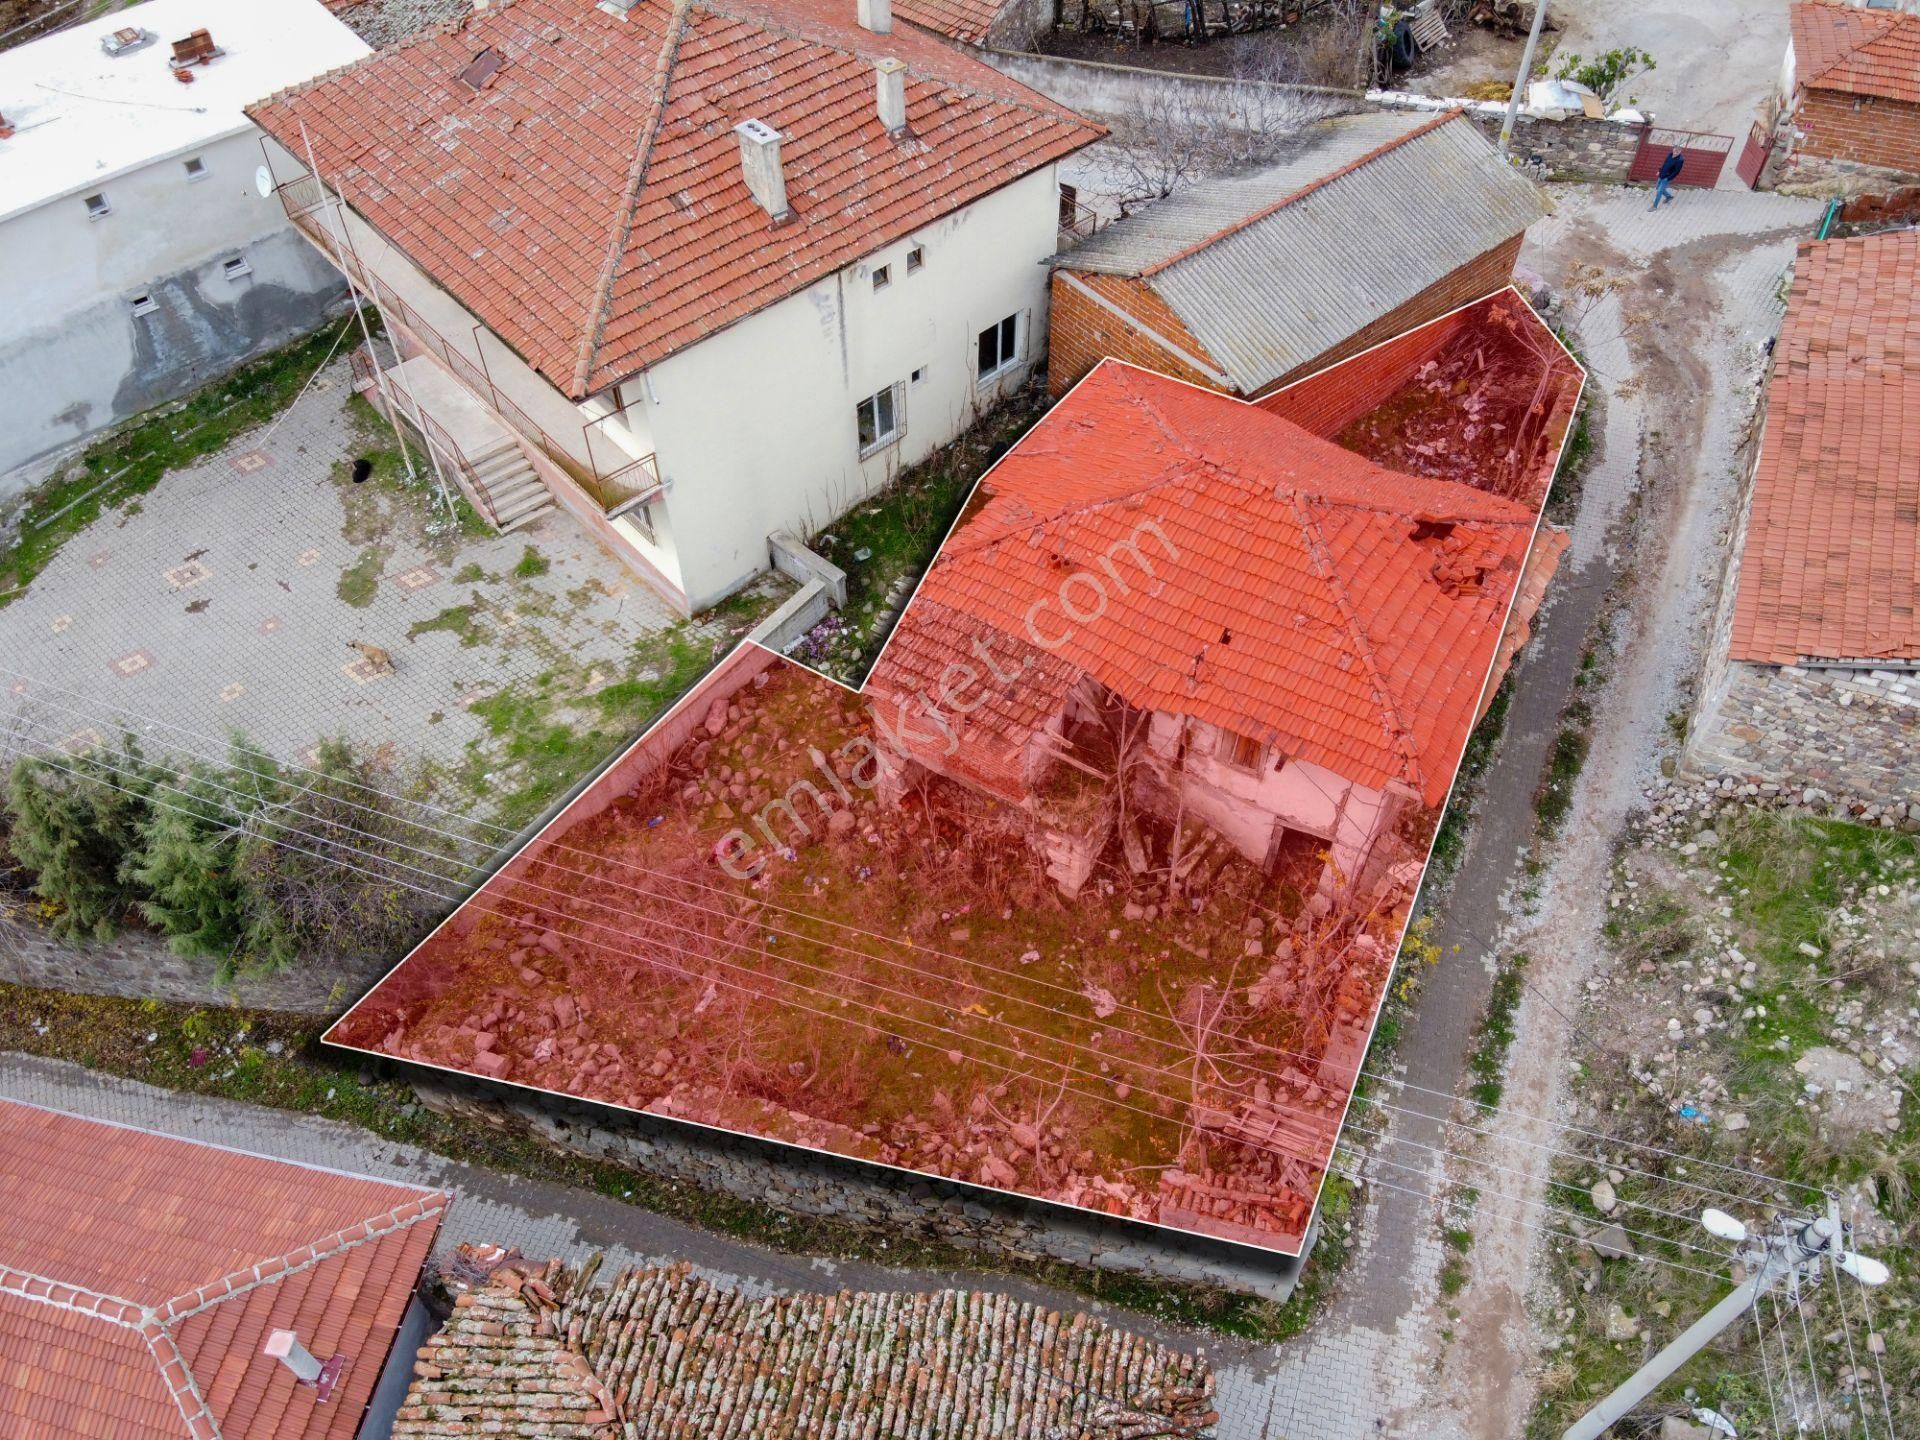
(1526, 74)
(1795, 1249)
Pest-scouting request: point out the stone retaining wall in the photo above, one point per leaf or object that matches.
(890, 1202)
(1849, 735)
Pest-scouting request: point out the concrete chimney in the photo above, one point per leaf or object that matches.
(877, 16)
(285, 1346)
(760, 164)
(890, 84)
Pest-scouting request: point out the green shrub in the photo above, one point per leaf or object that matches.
(74, 822)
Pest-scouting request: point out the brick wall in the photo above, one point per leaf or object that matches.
(1330, 400)
(1083, 332)
(1489, 271)
(1861, 130)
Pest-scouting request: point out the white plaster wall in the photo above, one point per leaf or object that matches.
(161, 222)
(754, 427)
(75, 358)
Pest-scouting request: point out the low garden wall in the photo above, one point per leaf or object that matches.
(810, 1183)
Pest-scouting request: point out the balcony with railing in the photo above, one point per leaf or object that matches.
(600, 461)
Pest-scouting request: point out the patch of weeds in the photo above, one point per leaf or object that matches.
(532, 564)
(360, 581)
(132, 460)
(1494, 1035)
(1450, 839)
(1569, 478)
(1570, 746)
(471, 573)
(899, 529)
(456, 620)
(1453, 1276)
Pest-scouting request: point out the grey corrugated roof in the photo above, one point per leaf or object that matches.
(1270, 295)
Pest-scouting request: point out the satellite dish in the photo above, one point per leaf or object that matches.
(1864, 1268)
(263, 181)
(1719, 1223)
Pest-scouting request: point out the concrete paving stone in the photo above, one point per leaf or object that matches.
(222, 585)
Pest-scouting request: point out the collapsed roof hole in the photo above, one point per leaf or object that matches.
(1432, 529)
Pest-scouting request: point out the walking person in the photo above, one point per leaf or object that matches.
(1670, 169)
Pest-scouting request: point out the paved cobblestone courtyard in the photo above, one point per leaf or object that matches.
(228, 598)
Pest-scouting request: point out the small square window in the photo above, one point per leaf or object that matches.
(916, 257)
(1241, 753)
(883, 277)
(144, 305)
(97, 206)
(196, 168)
(236, 267)
(919, 374)
(877, 419)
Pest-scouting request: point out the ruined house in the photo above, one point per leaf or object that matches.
(1851, 83)
(550, 1355)
(1170, 600)
(1814, 677)
(1369, 226)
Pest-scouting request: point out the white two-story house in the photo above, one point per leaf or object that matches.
(718, 270)
(140, 254)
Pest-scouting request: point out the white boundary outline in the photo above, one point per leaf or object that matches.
(700, 686)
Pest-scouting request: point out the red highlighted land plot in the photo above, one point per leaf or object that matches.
(1094, 890)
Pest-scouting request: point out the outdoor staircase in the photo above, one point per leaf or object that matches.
(515, 493)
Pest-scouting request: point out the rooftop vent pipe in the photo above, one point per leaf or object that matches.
(877, 16)
(760, 165)
(890, 84)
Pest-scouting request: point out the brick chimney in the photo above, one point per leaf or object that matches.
(890, 84)
(760, 165)
(877, 16)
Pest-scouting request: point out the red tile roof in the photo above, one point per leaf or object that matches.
(1289, 601)
(587, 203)
(967, 20)
(1838, 46)
(140, 1275)
(1830, 568)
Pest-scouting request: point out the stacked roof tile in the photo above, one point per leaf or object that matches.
(1274, 267)
(140, 1275)
(1838, 46)
(1830, 568)
(662, 1353)
(586, 200)
(1197, 555)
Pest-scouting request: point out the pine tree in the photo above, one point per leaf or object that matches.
(75, 822)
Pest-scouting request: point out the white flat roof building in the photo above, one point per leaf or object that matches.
(81, 117)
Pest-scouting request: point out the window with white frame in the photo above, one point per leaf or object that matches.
(236, 268)
(880, 418)
(97, 207)
(916, 257)
(999, 348)
(196, 168)
(145, 305)
(882, 277)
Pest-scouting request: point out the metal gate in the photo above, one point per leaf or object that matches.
(1754, 157)
(1706, 156)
